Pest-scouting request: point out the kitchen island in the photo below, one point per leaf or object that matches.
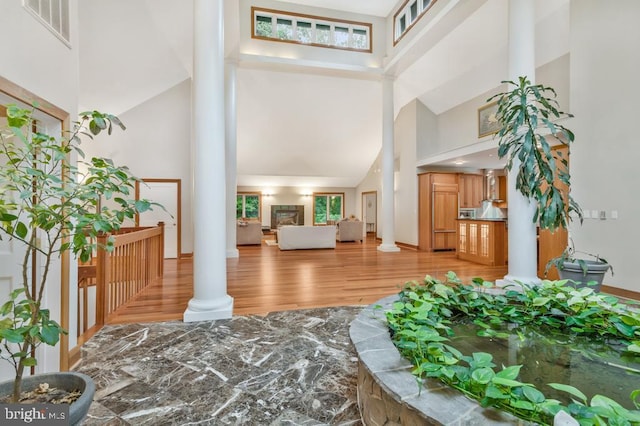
(482, 241)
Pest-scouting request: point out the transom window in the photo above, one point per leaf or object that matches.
(53, 14)
(248, 205)
(408, 14)
(311, 30)
(327, 208)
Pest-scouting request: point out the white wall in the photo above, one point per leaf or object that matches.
(405, 180)
(373, 182)
(292, 195)
(34, 59)
(604, 158)
(156, 144)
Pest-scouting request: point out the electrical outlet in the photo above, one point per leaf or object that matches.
(614, 214)
(594, 214)
(603, 215)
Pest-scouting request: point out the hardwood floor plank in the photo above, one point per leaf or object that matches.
(264, 279)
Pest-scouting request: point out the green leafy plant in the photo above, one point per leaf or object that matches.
(569, 255)
(49, 206)
(528, 114)
(420, 326)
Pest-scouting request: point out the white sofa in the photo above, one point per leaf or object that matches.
(306, 237)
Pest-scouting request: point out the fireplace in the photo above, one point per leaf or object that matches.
(287, 215)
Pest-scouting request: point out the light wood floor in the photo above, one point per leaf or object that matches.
(264, 279)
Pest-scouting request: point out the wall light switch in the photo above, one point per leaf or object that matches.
(586, 214)
(594, 214)
(614, 214)
(603, 215)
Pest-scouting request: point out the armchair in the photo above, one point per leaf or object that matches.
(248, 233)
(350, 230)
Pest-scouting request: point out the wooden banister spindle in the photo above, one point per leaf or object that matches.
(102, 280)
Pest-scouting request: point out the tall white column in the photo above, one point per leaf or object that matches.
(210, 299)
(388, 196)
(523, 253)
(231, 156)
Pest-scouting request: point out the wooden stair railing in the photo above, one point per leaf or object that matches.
(111, 279)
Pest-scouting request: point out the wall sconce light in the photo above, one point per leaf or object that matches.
(306, 193)
(267, 193)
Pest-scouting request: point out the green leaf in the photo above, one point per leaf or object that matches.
(483, 375)
(541, 301)
(523, 405)
(29, 362)
(570, 390)
(21, 230)
(506, 382)
(11, 336)
(510, 372)
(50, 334)
(533, 394)
(495, 393)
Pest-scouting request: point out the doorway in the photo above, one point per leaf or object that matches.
(370, 211)
(166, 192)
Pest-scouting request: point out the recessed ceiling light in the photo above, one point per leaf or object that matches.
(459, 162)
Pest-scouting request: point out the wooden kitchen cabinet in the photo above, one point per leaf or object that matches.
(482, 241)
(471, 191)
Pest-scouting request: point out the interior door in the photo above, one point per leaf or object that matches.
(167, 193)
(369, 211)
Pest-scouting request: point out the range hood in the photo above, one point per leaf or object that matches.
(491, 186)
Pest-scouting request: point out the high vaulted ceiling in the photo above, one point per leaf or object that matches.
(303, 127)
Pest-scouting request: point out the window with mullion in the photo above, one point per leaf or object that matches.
(327, 208)
(248, 206)
(407, 15)
(311, 30)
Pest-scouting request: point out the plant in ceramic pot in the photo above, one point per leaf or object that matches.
(47, 207)
(580, 272)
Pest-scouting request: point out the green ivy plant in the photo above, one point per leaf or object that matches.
(420, 326)
(528, 114)
(48, 206)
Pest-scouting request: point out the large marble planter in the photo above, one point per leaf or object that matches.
(388, 394)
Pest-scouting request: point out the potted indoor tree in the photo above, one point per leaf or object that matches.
(47, 207)
(529, 116)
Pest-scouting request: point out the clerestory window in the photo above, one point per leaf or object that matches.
(407, 15)
(53, 14)
(275, 25)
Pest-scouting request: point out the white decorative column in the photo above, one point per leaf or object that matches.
(388, 195)
(523, 253)
(231, 141)
(210, 299)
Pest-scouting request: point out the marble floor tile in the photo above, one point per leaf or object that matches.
(284, 368)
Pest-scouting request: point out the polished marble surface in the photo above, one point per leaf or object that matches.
(284, 368)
